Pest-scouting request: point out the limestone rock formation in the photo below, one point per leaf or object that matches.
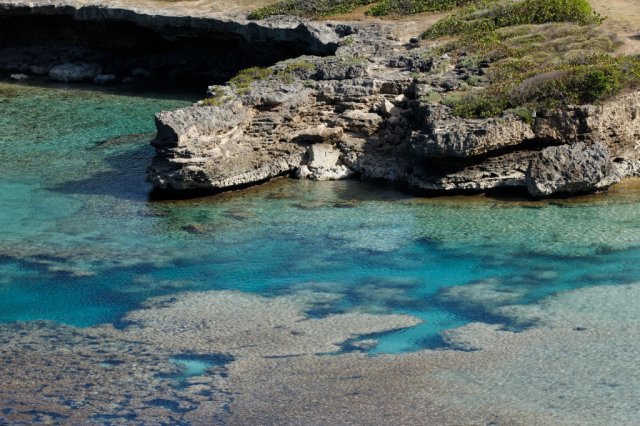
(570, 169)
(175, 42)
(356, 101)
(365, 112)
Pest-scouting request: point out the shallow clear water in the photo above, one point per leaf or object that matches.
(81, 244)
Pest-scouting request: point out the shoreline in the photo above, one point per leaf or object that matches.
(356, 99)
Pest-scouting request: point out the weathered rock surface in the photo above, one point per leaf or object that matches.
(19, 77)
(365, 112)
(324, 164)
(369, 110)
(570, 169)
(75, 72)
(177, 42)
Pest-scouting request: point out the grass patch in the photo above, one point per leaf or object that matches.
(293, 70)
(309, 8)
(477, 21)
(243, 80)
(321, 8)
(531, 55)
(217, 98)
(406, 7)
(288, 72)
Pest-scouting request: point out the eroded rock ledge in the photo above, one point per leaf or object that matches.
(368, 112)
(134, 41)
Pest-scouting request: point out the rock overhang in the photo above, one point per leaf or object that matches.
(169, 43)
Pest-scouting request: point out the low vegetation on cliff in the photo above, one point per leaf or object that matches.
(531, 55)
(519, 56)
(507, 12)
(320, 8)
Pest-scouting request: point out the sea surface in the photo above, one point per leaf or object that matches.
(82, 244)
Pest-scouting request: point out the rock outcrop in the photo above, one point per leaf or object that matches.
(178, 42)
(356, 101)
(570, 169)
(368, 111)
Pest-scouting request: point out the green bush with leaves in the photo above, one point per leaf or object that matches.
(481, 103)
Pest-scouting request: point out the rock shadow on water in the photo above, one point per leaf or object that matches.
(141, 139)
(125, 178)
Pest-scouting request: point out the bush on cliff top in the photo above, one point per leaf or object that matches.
(531, 55)
(320, 8)
(501, 14)
(308, 8)
(406, 7)
(472, 20)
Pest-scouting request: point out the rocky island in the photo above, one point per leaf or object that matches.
(378, 110)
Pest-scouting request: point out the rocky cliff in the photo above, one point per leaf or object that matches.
(135, 41)
(369, 111)
(355, 101)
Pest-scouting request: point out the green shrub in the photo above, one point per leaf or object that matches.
(523, 113)
(501, 15)
(319, 8)
(483, 103)
(576, 85)
(405, 7)
(544, 11)
(243, 80)
(533, 54)
(308, 8)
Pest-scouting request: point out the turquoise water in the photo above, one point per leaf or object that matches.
(81, 243)
(191, 366)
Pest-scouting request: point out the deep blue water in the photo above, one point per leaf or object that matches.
(82, 244)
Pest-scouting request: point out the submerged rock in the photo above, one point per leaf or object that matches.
(105, 79)
(73, 72)
(269, 364)
(19, 77)
(51, 372)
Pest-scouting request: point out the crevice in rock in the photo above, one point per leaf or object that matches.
(443, 166)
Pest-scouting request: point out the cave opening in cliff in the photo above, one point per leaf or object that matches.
(171, 56)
